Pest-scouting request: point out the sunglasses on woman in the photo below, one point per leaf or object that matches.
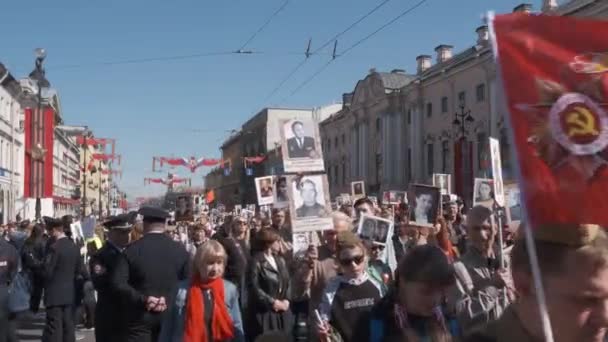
(348, 261)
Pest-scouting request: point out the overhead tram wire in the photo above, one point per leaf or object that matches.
(350, 48)
(266, 23)
(318, 50)
(351, 26)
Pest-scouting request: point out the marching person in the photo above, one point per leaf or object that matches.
(573, 260)
(482, 292)
(206, 308)
(146, 274)
(62, 268)
(109, 318)
(9, 264)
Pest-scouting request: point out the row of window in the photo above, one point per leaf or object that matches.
(5, 156)
(326, 145)
(480, 96)
(334, 172)
(482, 159)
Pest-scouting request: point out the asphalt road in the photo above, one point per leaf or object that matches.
(30, 329)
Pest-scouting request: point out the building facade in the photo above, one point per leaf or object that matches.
(356, 140)
(66, 175)
(11, 147)
(95, 195)
(258, 137)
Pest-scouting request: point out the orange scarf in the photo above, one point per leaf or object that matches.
(195, 329)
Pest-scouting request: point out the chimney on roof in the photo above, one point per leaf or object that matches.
(482, 35)
(423, 62)
(347, 99)
(444, 52)
(523, 8)
(549, 5)
(372, 70)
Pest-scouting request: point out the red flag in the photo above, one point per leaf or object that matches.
(555, 77)
(210, 197)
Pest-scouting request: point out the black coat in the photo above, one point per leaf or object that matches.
(63, 267)
(150, 266)
(267, 285)
(295, 151)
(109, 316)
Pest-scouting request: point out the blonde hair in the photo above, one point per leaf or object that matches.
(209, 251)
(338, 216)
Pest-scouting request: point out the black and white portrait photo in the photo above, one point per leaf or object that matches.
(357, 189)
(424, 203)
(442, 181)
(397, 197)
(184, 208)
(375, 229)
(513, 205)
(499, 192)
(483, 192)
(312, 202)
(300, 145)
(264, 188)
(309, 202)
(281, 196)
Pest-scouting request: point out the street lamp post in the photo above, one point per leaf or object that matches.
(38, 75)
(463, 167)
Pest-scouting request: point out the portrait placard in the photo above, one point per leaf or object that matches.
(281, 193)
(357, 189)
(499, 192)
(397, 197)
(309, 203)
(264, 189)
(482, 192)
(301, 145)
(184, 208)
(513, 206)
(425, 202)
(443, 182)
(375, 229)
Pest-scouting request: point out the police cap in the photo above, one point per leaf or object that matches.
(122, 222)
(153, 214)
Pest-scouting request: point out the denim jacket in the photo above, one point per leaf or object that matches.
(173, 323)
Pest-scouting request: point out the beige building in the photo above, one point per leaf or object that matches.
(95, 194)
(399, 136)
(258, 136)
(357, 138)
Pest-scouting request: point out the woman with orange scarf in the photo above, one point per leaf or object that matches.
(205, 309)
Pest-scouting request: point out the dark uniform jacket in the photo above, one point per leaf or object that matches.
(109, 315)
(62, 267)
(151, 266)
(9, 262)
(295, 151)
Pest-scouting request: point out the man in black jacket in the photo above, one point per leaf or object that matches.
(108, 314)
(146, 275)
(9, 263)
(62, 267)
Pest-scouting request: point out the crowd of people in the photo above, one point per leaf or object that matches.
(230, 277)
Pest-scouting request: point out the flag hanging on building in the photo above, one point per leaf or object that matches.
(555, 77)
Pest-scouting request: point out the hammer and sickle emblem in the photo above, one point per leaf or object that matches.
(581, 122)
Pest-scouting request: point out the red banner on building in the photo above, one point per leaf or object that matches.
(555, 78)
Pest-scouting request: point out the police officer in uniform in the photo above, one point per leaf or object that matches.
(108, 314)
(147, 274)
(62, 268)
(9, 263)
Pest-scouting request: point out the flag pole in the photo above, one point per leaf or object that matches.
(530, 245)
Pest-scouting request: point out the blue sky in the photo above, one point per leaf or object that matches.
(184, 107)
